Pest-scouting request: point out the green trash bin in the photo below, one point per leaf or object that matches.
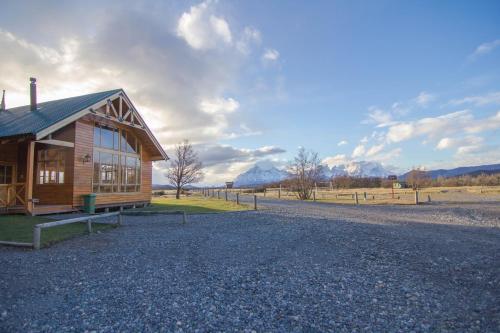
(89, 203)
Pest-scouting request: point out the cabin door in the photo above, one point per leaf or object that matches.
(6, 178)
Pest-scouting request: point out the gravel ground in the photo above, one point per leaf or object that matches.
(291, 267)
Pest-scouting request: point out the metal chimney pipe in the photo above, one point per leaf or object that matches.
(2, 105)
(33, 93)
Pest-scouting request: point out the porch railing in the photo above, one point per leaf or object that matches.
(12, 194)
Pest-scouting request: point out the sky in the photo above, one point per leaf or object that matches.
(405, 83)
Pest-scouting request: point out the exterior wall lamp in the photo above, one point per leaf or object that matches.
(86, 158)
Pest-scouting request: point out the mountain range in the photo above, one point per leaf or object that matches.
(265, 172)
(461, 171)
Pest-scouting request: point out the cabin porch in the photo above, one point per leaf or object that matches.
(30, 185)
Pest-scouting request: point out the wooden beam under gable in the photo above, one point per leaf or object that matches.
(120, 111)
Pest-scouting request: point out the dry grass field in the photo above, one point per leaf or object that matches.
(375, 196)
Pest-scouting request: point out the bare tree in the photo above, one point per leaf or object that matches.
(185, 168)
(305, 172)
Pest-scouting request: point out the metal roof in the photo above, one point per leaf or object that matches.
(22, 121)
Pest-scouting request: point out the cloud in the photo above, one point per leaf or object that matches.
(249, 37)
(378, 116)
(358, 151)
(223, 162)
(271, 55)
(335, 160)
(479, 100)
(448, 143)
(485, 48)
(374, 150)
(432, 127)
(424, 98)
(219, 105)
(201, 29)
(342, 143)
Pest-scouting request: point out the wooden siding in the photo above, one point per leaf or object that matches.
(84, 132)
(57, 194)
(8, 152)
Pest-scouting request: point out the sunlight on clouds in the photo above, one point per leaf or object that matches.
(203, 30)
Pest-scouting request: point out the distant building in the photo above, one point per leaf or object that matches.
(229, 184)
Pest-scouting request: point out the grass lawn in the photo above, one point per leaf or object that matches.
(194, 204)
(19, 228)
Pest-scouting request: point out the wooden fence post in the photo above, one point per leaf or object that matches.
(218, 194)
(37, 231)
(364, 195)
(416, 197)
(279, 192)
(428, 198)
(89, 226)
(314, 195)
(237, 198)
(255, 202)
(226, 194)
(356, 198)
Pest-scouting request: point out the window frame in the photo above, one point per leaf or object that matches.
(58, 168)
(118, 170)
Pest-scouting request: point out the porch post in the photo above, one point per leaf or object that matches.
(28, 192)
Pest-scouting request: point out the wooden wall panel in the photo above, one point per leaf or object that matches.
(84, 142)
(84, 137)
(57, 194)
(8, 152)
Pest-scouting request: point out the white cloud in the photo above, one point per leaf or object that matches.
(485, 48)
(378, 116)
(358, 151)
(201, 29)
(374, 150)
(364, 140)
(271, 55)
(335, 160)
(432, 127)
(483, 125)
(219, 105)
(480, 100)
(424, 98)
(250, 36)
(448, 143)
(342, 143)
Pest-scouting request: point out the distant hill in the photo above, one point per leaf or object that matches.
(461, 171)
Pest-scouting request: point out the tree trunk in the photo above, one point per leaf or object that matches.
(178, 193)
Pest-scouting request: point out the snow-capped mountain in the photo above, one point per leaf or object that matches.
(360, 169)
(265, 172)
(262, 173)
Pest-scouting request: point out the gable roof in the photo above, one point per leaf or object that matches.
(21, 121)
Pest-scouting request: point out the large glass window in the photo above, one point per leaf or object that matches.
(117, 164)
(50, 166)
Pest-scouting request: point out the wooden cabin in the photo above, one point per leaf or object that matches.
(53, 153)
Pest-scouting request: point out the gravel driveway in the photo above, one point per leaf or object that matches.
(291, 267)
